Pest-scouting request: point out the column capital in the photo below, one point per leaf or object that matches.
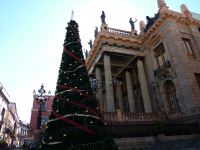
(118, 81)
(98, 66)
(139, 62)
(106, 54)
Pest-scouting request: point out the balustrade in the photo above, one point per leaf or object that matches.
(110, 116)
(174, 115)
(151, 116)
(121, 32)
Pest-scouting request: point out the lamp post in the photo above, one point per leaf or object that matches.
(93, 82)
(41, 99)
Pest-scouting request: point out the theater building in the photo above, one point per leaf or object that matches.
(147, 82)
(149, 77)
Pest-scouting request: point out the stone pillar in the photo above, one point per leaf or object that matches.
(99, 93)
(119, 96)
(133, 32)
(104, 27)
(142, 27)
(108, 85)
(144, 87)
(119, 115)
(104, 101)
(130, 92)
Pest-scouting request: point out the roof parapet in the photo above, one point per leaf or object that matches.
(162, 6)
(142, 27)
(185, 11)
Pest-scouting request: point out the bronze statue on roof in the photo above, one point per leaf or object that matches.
(103, 16)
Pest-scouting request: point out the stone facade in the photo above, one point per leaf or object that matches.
(8, 118)
(140, 76)
(22, 132)
(44, 115)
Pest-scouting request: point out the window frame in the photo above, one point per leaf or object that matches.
(170, 92)
(197, 77)
(188, 46)
(160, 53)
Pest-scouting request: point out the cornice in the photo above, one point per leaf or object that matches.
(106, 37)
(169, 15)
(111, 35)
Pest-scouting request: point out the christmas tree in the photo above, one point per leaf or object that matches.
(74, 123)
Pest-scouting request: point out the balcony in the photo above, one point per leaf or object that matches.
(161, 69)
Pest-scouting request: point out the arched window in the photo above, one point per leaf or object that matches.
(170, 92)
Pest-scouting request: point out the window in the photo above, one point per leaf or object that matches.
(43, 106)
(188, 46)
(170, 92)
(197, 76)
(165, 56)
(22, 131)
(160, 55)
(160, 60)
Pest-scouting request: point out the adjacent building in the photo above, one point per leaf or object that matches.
(3, 108)
(157, 70)
(8, 118)
(22, 132)
(45, 108)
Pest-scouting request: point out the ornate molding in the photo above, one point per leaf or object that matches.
(113, 36)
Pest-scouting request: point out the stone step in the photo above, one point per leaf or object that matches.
(189, 144)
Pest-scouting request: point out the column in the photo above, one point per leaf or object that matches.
(119, 96)
(108, 85)
(144, 87)
(99, 93)
(130, 92)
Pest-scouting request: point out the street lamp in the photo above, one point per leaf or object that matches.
(41, 100)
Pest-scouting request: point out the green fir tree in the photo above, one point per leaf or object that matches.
(74, 123)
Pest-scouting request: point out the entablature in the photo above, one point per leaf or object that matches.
(114, 40)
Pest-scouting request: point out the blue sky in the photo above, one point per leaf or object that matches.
(32, 34)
